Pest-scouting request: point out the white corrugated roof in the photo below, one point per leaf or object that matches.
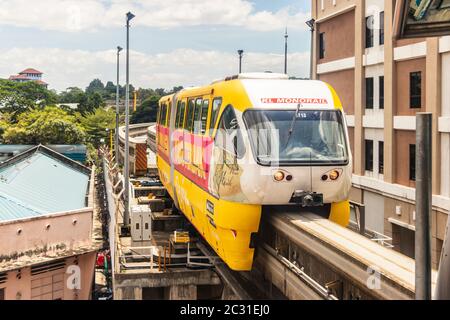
(39, 184)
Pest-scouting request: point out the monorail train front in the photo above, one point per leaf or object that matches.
(292, 148)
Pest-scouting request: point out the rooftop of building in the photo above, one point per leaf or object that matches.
(39, 182)
(30, 71)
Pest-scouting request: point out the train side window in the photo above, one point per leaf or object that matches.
(164, 114)
(158, 116)
(216, 104)
(161, 114)
(169, 107)
(181, 116)
(204, 117)
(178, 114)
(197, 116)
(229, 136)
(190, 115)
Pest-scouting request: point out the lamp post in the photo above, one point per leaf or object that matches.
(240, 53)
(117, 107)
(126, 215)
(311, 24)
(285, 51)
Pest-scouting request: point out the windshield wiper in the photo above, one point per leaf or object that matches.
(293, 122)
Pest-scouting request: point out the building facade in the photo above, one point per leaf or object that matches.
(383, 83)
(48, 227)
(27, 75)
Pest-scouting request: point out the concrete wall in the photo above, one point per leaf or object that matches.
(51, 285)
(338, 45)
(404, 68)
(327, 8)
(403, 140)
(69, 229)
(374, 216)
(344, 89)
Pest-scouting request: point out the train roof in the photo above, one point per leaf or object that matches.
(271, 90)
(275, 93)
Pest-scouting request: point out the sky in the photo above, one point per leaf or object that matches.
(172, 42)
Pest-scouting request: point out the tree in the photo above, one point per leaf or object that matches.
(110, 90)
(17, 97)
(96, 85)
(71, 95)
(147, 111)
(95, 125)
(50, 125)
(160, 92)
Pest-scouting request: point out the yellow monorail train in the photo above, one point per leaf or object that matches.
(226, 150)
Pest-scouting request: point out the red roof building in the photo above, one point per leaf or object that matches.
(29, 74)
(30, 71)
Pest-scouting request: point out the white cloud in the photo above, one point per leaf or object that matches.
(89, 15)
(186, 67)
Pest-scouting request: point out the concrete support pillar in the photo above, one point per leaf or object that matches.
(359, 87)
(183, 292)
(389, 94)
(433, 105)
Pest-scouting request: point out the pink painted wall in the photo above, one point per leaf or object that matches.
(35, 234)
(19, 284)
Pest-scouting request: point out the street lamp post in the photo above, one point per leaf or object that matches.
(117, 107)
(240, 53)
(126, 215)
(311, 24)
(285, 51)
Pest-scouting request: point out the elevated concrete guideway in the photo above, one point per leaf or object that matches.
(303, 256)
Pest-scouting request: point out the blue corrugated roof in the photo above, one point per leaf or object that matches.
(40, 184)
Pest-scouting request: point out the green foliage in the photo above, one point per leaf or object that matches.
(17, 97)
(147, 111)
(96, 85)
(96, 124)
(49, 125)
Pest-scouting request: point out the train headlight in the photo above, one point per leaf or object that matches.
(334, 175)
(278, 176)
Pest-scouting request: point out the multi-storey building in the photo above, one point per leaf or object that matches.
(383, 83)
(29, 74)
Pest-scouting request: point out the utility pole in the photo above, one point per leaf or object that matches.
(126, 215)
(311, 24)
(117, 107)
(240, 53)
(285, 51)
(423, 206)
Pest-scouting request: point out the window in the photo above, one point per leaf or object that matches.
(369, 31)
(168, 111)
(229, 137)
(381, 28)
(369, 155)
(316, 137)
(415, 89)
(381, 157)
(322, 45)
(217, 103)
(204, 116)
(412, 162)
(197, 116)
(382, 92)
(163, 114)
(369, 93)
(190, 116)
(180, 114)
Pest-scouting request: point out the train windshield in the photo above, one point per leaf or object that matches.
(291, 137)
